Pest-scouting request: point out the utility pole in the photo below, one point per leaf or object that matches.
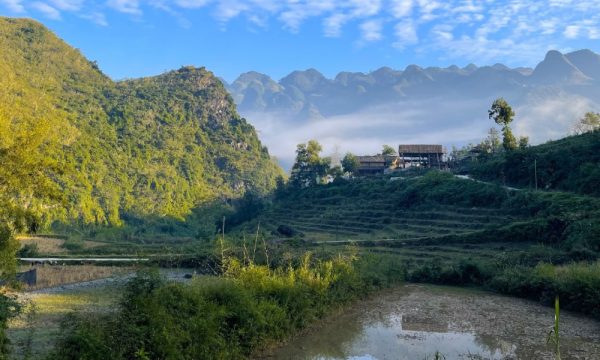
(535, 173)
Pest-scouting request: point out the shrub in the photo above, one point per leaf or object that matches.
(28, 251)
(226, 317)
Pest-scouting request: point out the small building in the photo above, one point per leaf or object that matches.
(421, 156)
(378, 164)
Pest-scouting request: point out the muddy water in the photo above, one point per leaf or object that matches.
(415, 321)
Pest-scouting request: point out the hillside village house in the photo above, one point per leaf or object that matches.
(421, 156)
(378, 164)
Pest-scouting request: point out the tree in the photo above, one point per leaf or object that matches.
(309, 166)
(493, 140)
(335, 171)
(350, 163)
(523, 142)
(589, 122)
(503, 114)
(388, 150)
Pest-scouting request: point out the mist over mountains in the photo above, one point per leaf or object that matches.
(361, 111)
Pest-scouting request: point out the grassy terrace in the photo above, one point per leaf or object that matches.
(356, 211)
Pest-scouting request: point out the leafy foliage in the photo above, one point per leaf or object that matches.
(80, 148)
(222, 318)
(350, 163)
(502, 113)
(570, 164)
(589, 122)
(309, 167)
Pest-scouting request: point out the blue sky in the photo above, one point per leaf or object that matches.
(132, 38)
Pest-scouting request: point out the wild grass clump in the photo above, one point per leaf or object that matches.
(225, 317)
(577, 285)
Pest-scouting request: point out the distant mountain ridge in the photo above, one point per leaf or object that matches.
(308, 94)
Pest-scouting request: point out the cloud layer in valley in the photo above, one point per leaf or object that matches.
(436, 121)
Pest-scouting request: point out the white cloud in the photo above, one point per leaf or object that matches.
(97, 18)
(67, 5)
(571, 31)
(126, 6)
(192, 4)
(498, 25)
(406, 34)
(47, 10)
(401, 8)
(333, 25)
(14, 5)
(371, 30)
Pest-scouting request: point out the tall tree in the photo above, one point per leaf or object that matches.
(388, 150)
(502, 113)
(589, 122)
(350, 163)
(309, 167)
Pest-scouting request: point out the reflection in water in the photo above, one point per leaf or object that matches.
(414, 322)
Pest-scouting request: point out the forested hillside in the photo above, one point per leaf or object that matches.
(78, 147)
(569, 164)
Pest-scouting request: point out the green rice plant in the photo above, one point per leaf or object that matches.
(553, 335)
(436, 356)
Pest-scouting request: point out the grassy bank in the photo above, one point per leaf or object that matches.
(577, 284)
(227, 317)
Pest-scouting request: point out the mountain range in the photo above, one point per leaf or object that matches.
(308, 94)
(359, 112)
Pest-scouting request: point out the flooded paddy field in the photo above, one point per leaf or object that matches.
(416, 321)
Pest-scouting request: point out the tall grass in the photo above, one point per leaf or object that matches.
(225, 317)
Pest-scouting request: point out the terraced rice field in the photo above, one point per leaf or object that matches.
(333, 220)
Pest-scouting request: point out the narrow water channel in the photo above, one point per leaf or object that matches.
(415, 321)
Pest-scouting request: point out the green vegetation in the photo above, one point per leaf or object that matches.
(569, 164)
(503, 115)
(81, 149)
(152, 165)
(455, 231)
(222, 318)
(309, 167)
(350, 163)
(554, 335)
(588, 123)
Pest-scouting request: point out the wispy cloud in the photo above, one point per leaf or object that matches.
(502, 28)
(406, 34)
(371, 30)
(13, 5)
(47, 10)
(126, 6)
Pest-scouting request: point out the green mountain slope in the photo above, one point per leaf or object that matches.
(153, 146)
(569, 164)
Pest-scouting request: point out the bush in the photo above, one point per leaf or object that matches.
(28, 251)
(222, 318)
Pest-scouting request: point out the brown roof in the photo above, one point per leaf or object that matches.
(420, 149)
(377, 158)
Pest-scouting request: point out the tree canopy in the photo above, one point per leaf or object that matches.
(350, 163)
(589, 122)
(88, 150)
(502, 113)
(388, 150)
(309, 167)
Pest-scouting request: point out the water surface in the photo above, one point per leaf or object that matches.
(415, 321)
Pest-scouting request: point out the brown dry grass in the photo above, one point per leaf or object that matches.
(35, 331)
(55, 275)
(53, 246)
